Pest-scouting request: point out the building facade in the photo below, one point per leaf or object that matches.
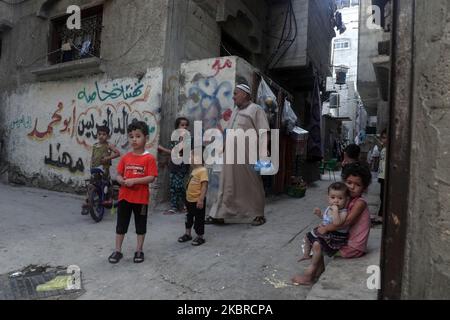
(374, 60)
(344, 98)
(134, 60)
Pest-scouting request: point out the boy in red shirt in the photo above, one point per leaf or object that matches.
(136, 170)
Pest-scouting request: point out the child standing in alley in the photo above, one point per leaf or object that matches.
(177, 173)
(136, 170)
(351, 155)
(196, 202)
(381, 175)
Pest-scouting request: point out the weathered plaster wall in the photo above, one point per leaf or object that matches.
(427, 272)
(50, 127)
(205, 40)
(133, 41)
(320, 33)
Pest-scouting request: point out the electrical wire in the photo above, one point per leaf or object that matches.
(13, 3)
(286, 40)
(38, 58)
(146, 32)
(102, 59)
(221, 44)
(281, 42)
(293, 39)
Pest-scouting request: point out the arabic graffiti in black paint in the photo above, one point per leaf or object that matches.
(88, 127)
(64, 160)
(126, 92)
(116, 121)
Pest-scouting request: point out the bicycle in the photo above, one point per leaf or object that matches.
(100, 191)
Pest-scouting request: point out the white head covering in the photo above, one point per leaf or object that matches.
(244, 88)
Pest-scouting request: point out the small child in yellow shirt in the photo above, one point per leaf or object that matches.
(196, 202)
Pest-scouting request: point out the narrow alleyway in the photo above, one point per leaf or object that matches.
(237, 262)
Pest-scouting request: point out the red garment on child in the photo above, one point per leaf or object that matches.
(136, 166)
(358, 234)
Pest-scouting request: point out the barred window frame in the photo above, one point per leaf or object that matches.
(91, 29)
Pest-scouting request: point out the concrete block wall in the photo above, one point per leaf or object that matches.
(319, 34)
(205, 34)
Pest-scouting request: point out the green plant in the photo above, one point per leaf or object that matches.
(297, 188)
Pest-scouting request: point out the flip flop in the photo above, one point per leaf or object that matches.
(170, 212)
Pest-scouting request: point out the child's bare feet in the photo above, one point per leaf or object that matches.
(305, 257)
(319, 272)
(301, 280)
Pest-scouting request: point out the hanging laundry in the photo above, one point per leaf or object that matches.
(314, 147)
(360, 124)
(85, 48)
(339, 23)
(66, 47)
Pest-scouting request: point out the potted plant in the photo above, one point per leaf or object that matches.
(297, 188)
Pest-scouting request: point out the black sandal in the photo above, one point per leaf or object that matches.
(198, 241)
(258, 221)
(115, 257)
(184, 238)
(138, 257)
(210, 220)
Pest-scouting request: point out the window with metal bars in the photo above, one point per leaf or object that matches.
(75, 44)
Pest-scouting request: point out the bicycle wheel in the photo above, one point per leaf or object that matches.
(96, 207)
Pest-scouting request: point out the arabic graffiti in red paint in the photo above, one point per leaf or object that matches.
(56, 119)
(217, 67)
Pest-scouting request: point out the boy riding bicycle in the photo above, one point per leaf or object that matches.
(102, 154)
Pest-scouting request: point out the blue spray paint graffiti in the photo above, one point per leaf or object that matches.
(208, 100)
(22, 122)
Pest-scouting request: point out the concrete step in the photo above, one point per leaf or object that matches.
(346, 279)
